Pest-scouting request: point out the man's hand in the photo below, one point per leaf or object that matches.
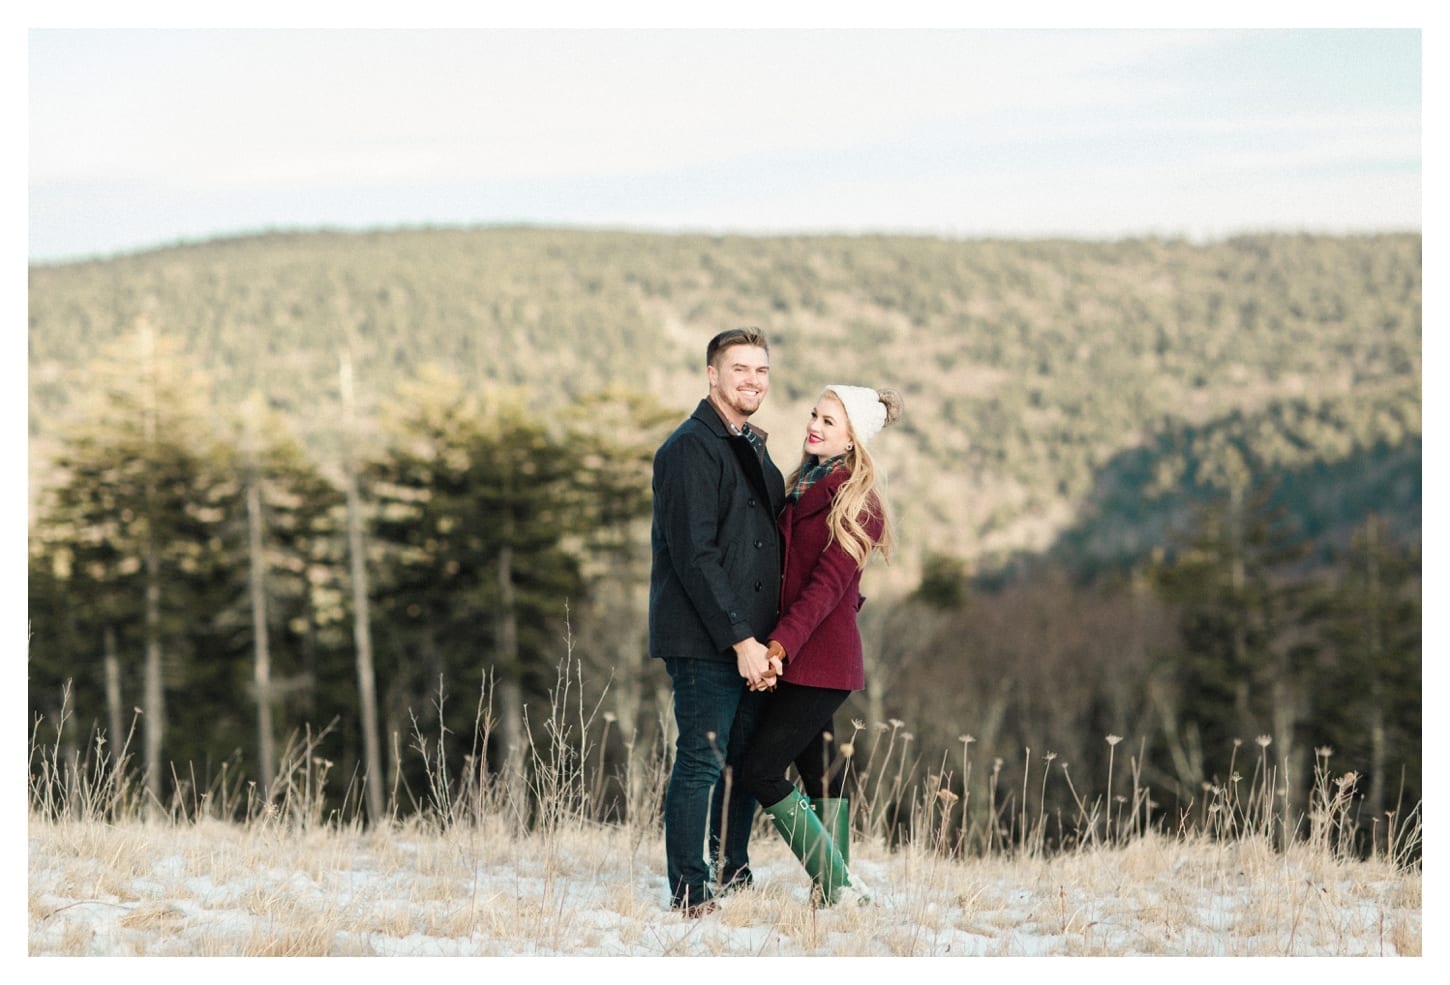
(753, 661)
(775, 656)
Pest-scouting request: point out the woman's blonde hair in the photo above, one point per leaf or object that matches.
(862, 495)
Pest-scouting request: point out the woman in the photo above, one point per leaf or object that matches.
(834, 518)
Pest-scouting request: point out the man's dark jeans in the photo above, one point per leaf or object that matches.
(715, 713)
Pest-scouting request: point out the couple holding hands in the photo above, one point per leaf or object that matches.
(754, 588)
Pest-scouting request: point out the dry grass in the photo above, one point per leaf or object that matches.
(109, 877)
(230, 889)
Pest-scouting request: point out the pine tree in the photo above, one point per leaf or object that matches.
(365, 666)
(612, 439)
(128, 536)
(287, 603)
(1370, 697)
(1244, 667)
(472, 509)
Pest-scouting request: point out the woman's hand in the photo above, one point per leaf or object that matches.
(775, 655)
(753, 662)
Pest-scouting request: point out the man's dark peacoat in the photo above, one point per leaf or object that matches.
(715, 576)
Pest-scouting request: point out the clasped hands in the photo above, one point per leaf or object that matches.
(760, 665)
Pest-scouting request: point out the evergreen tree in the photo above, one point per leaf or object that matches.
(612, 437)
(1371, 692)
(1244, 667)
(472, 514)
(128, 537)
(283, 628)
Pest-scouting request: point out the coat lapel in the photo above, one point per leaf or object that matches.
(752, 465)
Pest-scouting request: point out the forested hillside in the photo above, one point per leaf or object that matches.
(1155, 488)
(1030, 368)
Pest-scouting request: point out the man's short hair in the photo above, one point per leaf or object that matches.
(733, 337)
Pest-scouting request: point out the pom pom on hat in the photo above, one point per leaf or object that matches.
(863, 407)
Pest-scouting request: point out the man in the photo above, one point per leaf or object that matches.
(714, 596)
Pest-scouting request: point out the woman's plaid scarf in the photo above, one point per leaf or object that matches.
(811, 474)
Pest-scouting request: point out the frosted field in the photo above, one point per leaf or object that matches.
(218, 889)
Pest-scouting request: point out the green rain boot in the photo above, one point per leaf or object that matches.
(808, 840)
(835, 815)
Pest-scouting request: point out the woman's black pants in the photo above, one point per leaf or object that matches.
(794, 727)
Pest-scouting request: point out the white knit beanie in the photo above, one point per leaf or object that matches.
(864, 409)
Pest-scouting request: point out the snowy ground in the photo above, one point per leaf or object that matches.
(215, 889)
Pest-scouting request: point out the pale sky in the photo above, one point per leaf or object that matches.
(139, 138)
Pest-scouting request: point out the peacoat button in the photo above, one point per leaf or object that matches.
(752, 501)
(759, 544)
(758, 586)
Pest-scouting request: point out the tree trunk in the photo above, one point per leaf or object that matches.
(1375, 655)
(1291, 760)
(1185, 754)
(262, 660)
(153, 695)
(511, 717)
(153, 700)
(878, 669)
(633, 655)
(615, 624)
(113, 692)
(1378, 756)
(362, 634)
(1240, 663)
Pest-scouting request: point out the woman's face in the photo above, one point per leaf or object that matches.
(828, 433)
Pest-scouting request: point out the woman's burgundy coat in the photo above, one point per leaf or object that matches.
(820, 594)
